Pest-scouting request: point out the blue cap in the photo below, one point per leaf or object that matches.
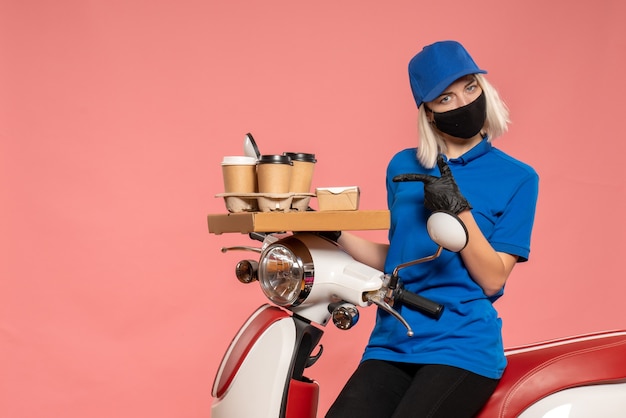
(436, 67)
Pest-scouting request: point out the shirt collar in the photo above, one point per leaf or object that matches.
(478, 150)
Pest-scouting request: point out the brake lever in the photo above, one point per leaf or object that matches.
(380, 301)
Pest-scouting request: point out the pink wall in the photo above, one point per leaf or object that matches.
(114, 115)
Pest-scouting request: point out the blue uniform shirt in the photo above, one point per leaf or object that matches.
(503, 193)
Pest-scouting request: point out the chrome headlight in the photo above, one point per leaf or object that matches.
(286, 272)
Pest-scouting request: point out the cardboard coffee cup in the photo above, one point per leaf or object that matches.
(239, 174)
(274, 173)
(302, 172)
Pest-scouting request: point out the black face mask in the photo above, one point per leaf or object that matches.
(463, 122)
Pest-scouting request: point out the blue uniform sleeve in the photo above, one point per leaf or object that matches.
(513, 229)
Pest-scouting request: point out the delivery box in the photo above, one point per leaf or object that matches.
(337, 198)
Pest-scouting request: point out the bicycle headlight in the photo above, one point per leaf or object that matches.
(286, 272)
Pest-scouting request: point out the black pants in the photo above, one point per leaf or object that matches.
(380, 389)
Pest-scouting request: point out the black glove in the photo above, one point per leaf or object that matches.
(331, 235)
(440, 193)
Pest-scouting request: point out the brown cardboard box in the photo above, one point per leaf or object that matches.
(337, 198)
(245, 222)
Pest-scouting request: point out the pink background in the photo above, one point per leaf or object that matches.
(114, 116)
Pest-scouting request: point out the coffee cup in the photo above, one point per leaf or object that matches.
(302, 172)
(239, 174)
(274, 173)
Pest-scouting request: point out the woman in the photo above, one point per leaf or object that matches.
(452, 365)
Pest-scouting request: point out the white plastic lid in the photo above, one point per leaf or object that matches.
(238, 160)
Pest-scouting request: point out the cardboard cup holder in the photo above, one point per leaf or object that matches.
(237, 202)
(266, 202)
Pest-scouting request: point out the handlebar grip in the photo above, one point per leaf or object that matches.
(416, 301)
